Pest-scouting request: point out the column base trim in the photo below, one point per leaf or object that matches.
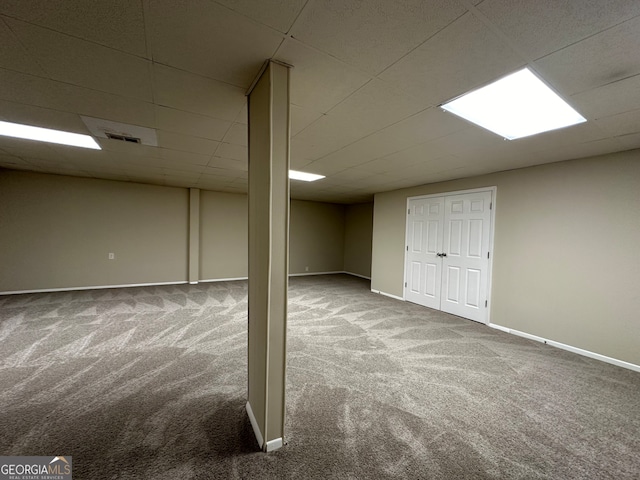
(272, 445)
(256, 428)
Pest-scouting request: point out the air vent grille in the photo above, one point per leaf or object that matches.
(122, 138)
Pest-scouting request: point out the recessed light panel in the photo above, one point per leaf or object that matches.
(307, 177)
(40, 134)
(518, 105)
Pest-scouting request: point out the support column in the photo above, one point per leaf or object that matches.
(194, 235)
(268, 252)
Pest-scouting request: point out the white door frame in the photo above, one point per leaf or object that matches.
(492, 214)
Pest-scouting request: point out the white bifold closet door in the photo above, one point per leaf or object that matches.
(447, 261)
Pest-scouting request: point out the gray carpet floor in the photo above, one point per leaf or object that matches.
(150, 383)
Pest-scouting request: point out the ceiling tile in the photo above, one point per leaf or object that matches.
(237, 134)
(235, 152)
(13, 55)
(243, 115)
(188, 123)
(373, 107)
(629, 142)
(27, 89)
(58, 169)
(29, 149)
(348, 177)
(11, 161)
(228, 164)
(318, 81)
(598, 60)
(367, 134)
(138, 164)
(543, 26)
(427, 125)
(221, 172)
(179, 157)
(468, 142)
(117, 24)
(82, 155)
(299, 163)
(194, 93)
(301, 118)
(622, 124)
(278, 14)
(127, 148)
(177, 173)
(333, 163)
(86, 64)
(41, 117)
(186, 143)
(372, 35)
(583, 150)
(463, 56)
(612, 99)
(580, 133)
(208, 39)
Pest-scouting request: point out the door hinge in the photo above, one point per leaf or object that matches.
(490, 205)
(485, 304)
(407, 248)
(408, 211)
(487, 254)
(405, 284)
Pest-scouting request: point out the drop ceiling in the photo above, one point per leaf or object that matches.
(367, 81)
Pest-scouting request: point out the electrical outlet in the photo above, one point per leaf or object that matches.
(112, 256)
(306, 269)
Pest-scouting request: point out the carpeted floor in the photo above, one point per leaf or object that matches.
(150, 383)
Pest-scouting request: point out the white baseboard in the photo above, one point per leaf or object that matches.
(95, 287)
(254, 424)
(569, 348)
(306, 274)
(387, 294)
(357, 275)
(234, 279)
(181, 282)
(499, 327)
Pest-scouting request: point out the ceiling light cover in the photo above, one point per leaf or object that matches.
(40, 134)
(307, 177)
(518, 105)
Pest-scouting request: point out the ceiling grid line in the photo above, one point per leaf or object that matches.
(366, 86)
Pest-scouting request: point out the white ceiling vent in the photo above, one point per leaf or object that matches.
(122, 138)
(121, 131)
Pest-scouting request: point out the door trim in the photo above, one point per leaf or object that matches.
(492, 216)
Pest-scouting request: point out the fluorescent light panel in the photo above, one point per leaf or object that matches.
(518, 105)
(307, 177)
(39, 134)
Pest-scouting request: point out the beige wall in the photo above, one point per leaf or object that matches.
(565, 264)
(317, 237)
(57, 232)
(358, 234)
(223, 235)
